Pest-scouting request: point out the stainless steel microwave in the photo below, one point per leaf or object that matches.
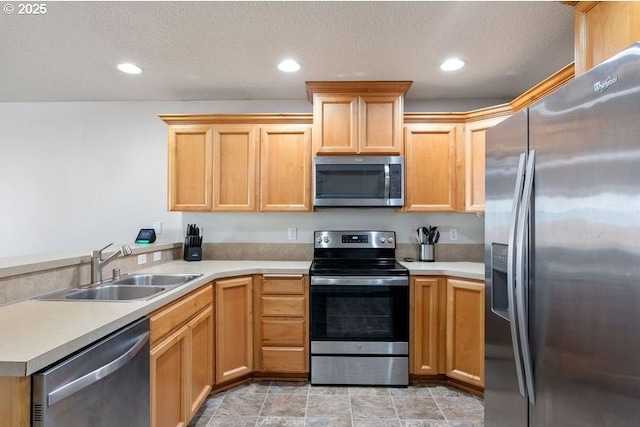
(358, 181)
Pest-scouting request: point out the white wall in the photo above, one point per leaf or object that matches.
(78, 175)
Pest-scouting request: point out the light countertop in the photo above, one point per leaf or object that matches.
(467, 270)
(35, 334)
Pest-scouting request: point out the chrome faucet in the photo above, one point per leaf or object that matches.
(97, 263)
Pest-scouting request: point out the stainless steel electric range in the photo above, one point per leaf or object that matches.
(359, 314)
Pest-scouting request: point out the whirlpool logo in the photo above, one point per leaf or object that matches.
(601, 86)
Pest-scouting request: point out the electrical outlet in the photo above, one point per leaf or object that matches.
(453, 234)
(142, 259)
(293, 233)
(157, 225)
(157, 256)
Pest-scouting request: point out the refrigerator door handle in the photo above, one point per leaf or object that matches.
(521, 279)
(511, 259)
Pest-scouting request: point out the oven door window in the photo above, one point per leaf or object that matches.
(359, 313)
(350, 181)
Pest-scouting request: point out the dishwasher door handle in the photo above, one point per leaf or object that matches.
(86, 380)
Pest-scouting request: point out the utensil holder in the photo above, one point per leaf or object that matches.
(192, 253)
(427, 253)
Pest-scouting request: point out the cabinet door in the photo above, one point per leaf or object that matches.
(426, 326)
(603, 29)
(465, 331)
(15, 401)
(474, 167)
(380, 124)
(285, 168)
(201, 359)
(430, 167)
(169, 392)
(190, 165)
(234, 328)
(335, 121)
(235, 165)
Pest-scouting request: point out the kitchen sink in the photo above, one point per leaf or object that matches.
(130, 287)
(155, 279)
(117, 292)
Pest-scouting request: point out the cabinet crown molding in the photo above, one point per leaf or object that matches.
(399, 87)
(218, 119)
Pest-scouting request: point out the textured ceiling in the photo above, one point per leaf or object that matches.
(229, 50)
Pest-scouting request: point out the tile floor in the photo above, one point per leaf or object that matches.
(291, 404)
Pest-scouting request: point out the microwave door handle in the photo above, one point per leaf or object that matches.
(387, 181)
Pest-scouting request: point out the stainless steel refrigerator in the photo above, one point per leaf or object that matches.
(562, 255)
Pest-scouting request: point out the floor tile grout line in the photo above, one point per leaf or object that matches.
(395, 408)
(306, 405)
(263, 402)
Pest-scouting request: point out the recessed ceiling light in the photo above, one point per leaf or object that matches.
(129, 68)
(452, 64)
(288, 66)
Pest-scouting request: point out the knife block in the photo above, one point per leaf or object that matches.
(192, 253)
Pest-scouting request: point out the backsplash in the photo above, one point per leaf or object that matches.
(304, 252)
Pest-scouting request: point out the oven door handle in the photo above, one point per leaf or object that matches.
(359, 281)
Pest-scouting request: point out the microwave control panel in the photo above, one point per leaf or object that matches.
(395, 181)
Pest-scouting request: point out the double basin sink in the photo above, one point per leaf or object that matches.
(130, 287)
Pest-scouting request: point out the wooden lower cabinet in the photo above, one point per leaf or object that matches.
(15, 401)
(465, 331)
(281, 324)
(169, 380)
(447, 328)
(181, 358)
(427, 329)
(234, 328)
(201, 358)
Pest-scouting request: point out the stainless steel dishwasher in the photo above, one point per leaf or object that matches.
(103, 385)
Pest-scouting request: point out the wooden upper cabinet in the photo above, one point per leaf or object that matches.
(603, 29)
(190, 167)
(285, 168)
(239, 162)
(380, 124)
(431, 167)
(474, 166)
(235, 165)
(336, 124)
(357, 117)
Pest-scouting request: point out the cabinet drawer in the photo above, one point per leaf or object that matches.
(292, 306)
(167, 319)
(284, 359)
(288, 285)
(283, 332)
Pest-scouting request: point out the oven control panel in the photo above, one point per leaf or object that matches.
(355, 239)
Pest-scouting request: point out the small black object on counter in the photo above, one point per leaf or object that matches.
(193, 244)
